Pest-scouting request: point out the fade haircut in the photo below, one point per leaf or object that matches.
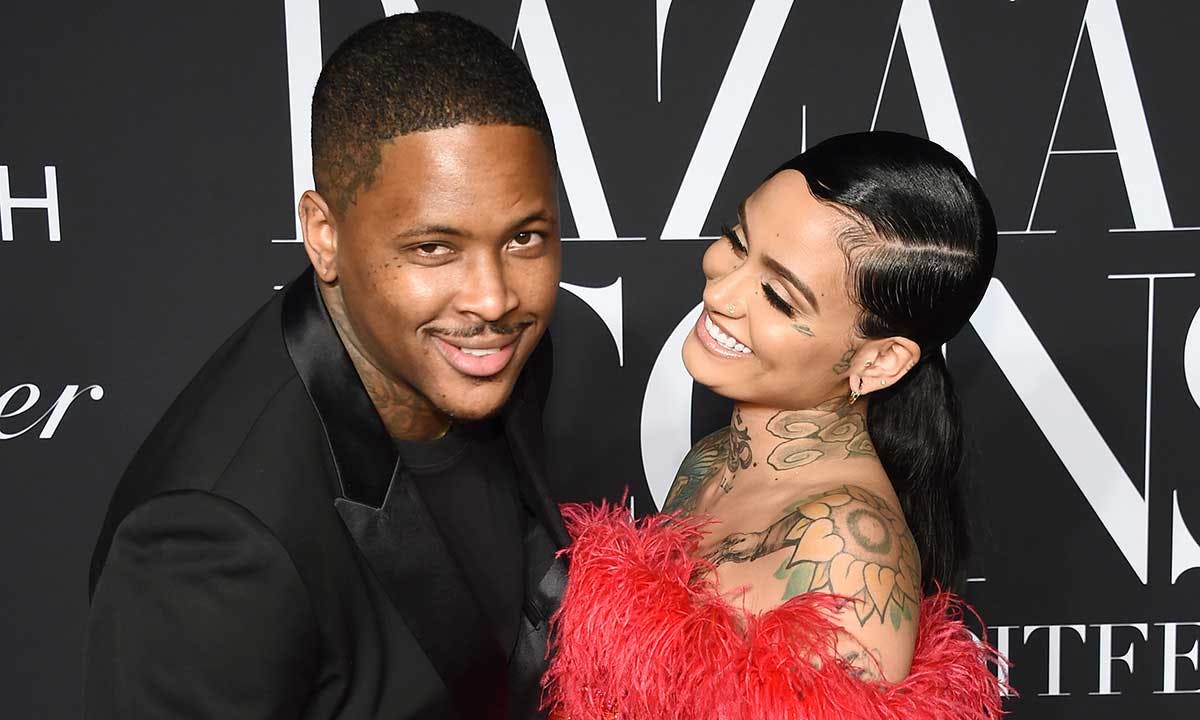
(408, 73)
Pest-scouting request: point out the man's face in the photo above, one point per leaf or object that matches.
(448, 262)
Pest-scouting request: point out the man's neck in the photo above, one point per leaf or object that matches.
(405, 413)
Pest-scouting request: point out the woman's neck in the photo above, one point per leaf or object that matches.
(768, 444)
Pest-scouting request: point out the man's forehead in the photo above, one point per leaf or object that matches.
(464, 149)
(461, 160)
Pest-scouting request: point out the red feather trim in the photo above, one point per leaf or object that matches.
(640, 636)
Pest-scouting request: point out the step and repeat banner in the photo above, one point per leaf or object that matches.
(151, 155)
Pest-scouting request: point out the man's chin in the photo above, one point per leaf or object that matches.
(472, 414)
(466, 397)
(480, 402)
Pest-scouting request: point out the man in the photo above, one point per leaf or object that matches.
(344, 515)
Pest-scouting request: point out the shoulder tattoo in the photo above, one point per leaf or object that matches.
(847, 542)
(702, 464)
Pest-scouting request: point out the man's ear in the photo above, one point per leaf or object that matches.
(880, 363)
(320, 235)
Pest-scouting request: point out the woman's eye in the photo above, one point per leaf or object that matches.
(777, 301)
(734, 241)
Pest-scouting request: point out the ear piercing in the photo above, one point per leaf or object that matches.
(856, 394)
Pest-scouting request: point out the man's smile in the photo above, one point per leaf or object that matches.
(479, 356)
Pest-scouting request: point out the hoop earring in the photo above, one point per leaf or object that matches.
(856, 394)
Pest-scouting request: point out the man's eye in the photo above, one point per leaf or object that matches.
(525, 239)
(431, 250)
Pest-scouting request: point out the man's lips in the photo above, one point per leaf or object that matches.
(478, 356)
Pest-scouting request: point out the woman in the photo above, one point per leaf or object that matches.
(797, 570)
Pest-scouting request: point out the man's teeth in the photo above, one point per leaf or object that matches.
(722, 338)
(480, 352)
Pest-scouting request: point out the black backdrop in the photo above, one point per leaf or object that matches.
(146, 163)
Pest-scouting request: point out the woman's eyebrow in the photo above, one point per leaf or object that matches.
(776, 267)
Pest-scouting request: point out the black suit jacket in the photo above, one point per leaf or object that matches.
(265, 556)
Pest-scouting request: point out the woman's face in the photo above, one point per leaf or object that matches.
(778, 324)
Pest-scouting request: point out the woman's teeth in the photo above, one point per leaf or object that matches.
(724, 339)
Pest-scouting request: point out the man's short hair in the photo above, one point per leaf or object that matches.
(408, 73)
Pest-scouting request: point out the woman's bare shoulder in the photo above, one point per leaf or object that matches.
(846, 540)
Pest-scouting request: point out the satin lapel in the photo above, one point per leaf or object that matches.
(546, 573)
(404, 549)
(362, 449)
(523, 427)
(546, 580)
(388, 520)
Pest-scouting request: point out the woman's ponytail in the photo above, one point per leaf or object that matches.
(920, 244)
(916, 428)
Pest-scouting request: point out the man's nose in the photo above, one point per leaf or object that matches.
(487, 293)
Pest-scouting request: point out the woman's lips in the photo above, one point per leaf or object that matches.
(714, 346)
(477, 362)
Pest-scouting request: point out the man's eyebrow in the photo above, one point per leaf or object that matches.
(418, 231)
(427, 230)
(537, 216)
(776, 267)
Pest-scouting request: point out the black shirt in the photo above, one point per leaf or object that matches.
(468, 481)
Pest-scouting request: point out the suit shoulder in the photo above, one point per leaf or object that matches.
(165, 514)
(198, 602)
(246, 400)
(248, 376)
(194, 444)
(167, 533)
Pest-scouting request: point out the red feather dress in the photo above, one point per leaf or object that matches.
(641, 635)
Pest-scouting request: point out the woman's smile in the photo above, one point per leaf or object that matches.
(718, 341)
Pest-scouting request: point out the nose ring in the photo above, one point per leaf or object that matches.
(730, 309)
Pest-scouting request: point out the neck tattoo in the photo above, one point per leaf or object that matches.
(739, 455)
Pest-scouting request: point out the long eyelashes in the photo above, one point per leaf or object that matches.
(734, 241)
(772, 297)
(777, 302)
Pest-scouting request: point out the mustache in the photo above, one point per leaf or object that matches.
(470, 331)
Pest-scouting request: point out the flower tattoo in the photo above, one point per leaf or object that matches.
(847, 542)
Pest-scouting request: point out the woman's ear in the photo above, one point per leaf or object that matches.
(880, 363)
(320, 235)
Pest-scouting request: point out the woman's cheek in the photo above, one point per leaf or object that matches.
(771, 342)
(718, 261)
